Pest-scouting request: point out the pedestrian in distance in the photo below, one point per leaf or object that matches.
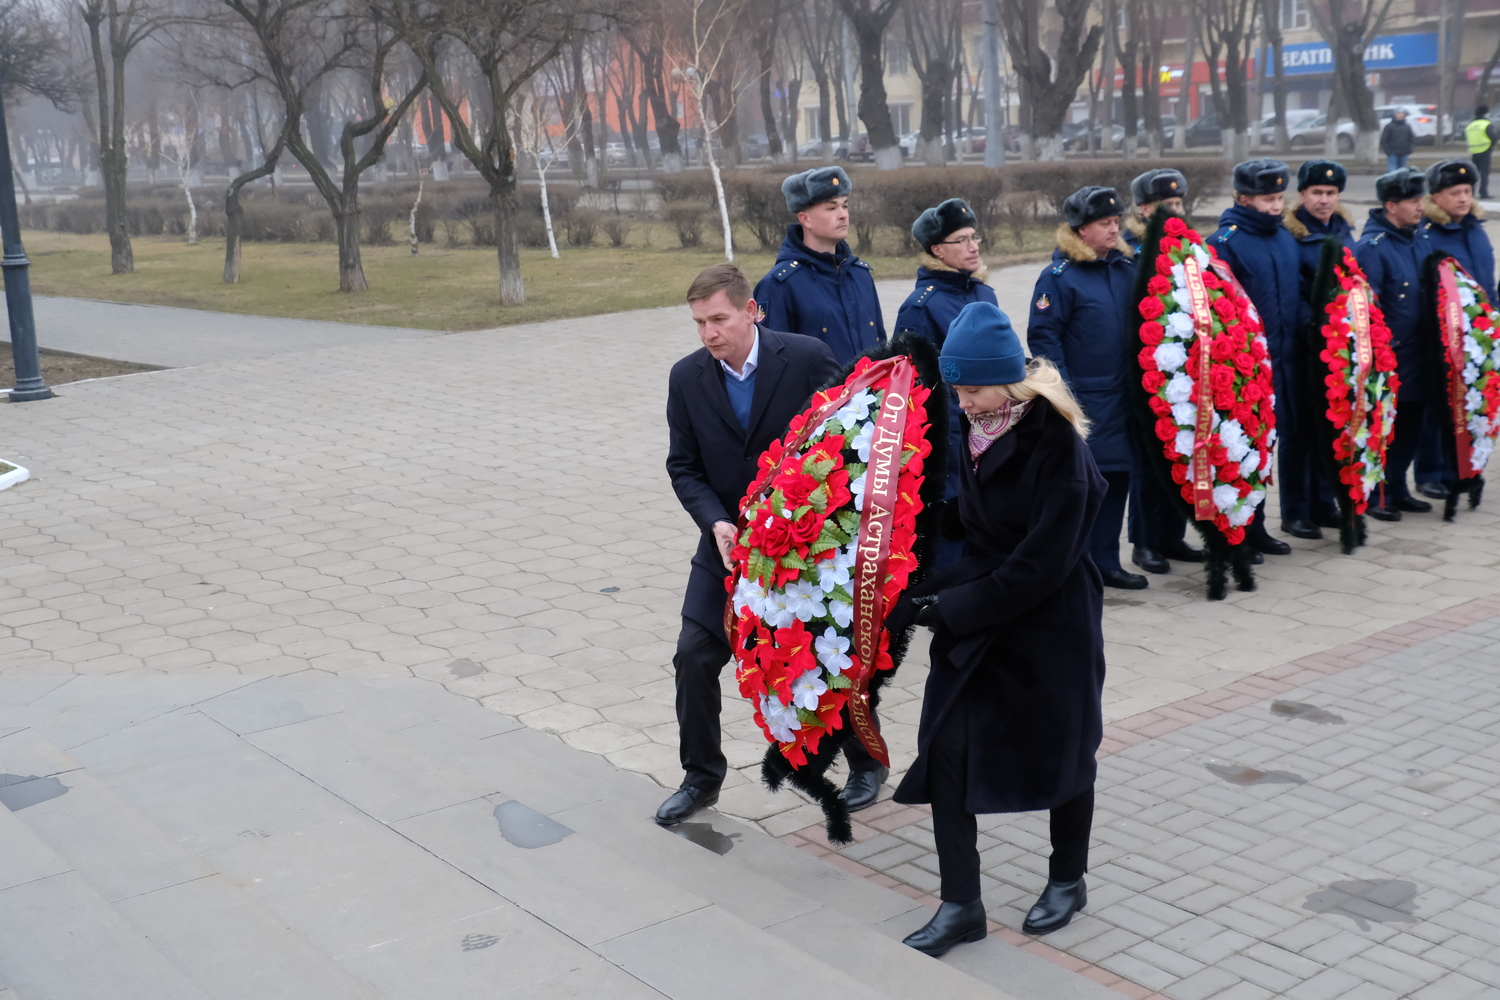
(1397, 141)
(1391, 252)
(726, 403)
(1157, 530)
(1452, 222)
(1480, 135)
(1011, 716)
(1079, 312)
(817, 286)
(1263, 256)
(950, 276)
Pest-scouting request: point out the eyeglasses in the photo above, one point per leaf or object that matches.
(962, 242)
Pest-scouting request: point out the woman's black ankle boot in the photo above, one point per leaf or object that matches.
(953, 923)
(1056, 906)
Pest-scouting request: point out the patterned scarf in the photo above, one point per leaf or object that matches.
(987, 428)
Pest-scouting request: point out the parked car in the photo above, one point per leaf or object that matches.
(1205, 131)
(858, 148)
(1315, 133)
(615, 154)
(1296, 126)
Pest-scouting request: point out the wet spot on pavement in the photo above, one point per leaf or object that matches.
(1305, 712)
(464, 668)
(523, 826)
(1367, 902)
(17, 791)
(1237, 774)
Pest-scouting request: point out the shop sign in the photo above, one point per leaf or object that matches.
(1385, 52)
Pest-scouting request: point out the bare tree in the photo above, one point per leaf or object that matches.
(1226, 35)
(1153, 27)
(869, 19)
(536, 141)
(1349, 26)
(115, 31)
(1128, 53)
(33, 53)
(1047, 88)
(709, 37)
(508, 42)
(765, 21)
(649, 41)
(933, 35)
(1271, 18)
(817, 25)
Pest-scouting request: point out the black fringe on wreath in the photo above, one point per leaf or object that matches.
(1325, 289)
(812, 778)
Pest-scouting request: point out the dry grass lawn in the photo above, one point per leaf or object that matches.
(439, 289)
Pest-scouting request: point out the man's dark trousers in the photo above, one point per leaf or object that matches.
(699, 661)
(1482, 164)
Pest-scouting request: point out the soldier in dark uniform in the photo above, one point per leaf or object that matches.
(1157, 530)
(950, 276)
(1318, 216)
(818, 287)
(1079, 312)
(1451, 224)
(1161, 187)
(1263, 256)
(1391, 251)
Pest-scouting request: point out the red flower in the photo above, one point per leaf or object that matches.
(1151, 308)
(794, 487)
(1158, 285)
(1154, 381)
(1245, 363)
(1147, 357)
(1176, 227)
(1152, 333)
(1224, 308)
(1170, 245)
(1159, 406)
(1224, 346)
(1163, 264)
(1166, 428)
(1221, 378)
(807, 528)
(772, 535)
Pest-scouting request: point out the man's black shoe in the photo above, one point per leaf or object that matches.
(1056, 906)
(1263, 542)
(1412, 505)
(1329, 520)
(1299, 528)
(1150, 560)
(953, 923)
(1436, 490)
(1384, 513)
(1256, 558)
(684, 802)
(862, 788)
(1125, 580)
(1179, 550)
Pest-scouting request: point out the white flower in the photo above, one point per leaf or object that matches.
(1180, 389)
(857, 409)
(1472, 348)
(1249, 464)
(1170, 357)
(1465, 296)
(857, 487)
(1180, 324)
(835, 572)
(1473, 399)
(861, 442)
(1184, 442)
(1202, 256)
(1240, 516)
(1179, 275)
(807, 689)
(832, 650)
(781, 719)
(1232, 436)
(1480, 456)
(1226, 497)
(1186, 414)
(776, 610)
(1184, 299)
(1265, 469)
(804, 600)
(750, 594)
(1471, 372)
(841, 610)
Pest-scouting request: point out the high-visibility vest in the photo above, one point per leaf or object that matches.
(1478, 134)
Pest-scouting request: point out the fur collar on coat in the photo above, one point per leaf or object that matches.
(981, 274)
(1442, 218)
(1298, 229)
(1075, 249)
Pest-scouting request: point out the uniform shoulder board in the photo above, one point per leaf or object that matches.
(1061, 266)
(923, 295)
(862, 264)
(784, 270)
(1376, 238)
(1224, 236)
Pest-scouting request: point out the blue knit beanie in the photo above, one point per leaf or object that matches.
(982, 348)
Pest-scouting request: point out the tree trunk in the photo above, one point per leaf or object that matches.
(547, 212)
(765, 43)
(351, 267)
(116, 218)
(507, 210)
(874, 110)
(234, 220)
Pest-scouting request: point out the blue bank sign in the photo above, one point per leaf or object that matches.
(1385, 52)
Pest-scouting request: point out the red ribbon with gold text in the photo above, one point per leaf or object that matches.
(1203, 328)
(1364, 353)
(1450, 320)
(874, 547)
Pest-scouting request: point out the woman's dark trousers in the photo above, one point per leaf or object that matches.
(957, 831)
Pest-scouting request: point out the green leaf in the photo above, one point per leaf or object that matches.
(855, 470)
(807, 718)
(762, 567)
(823, 544)
(819, 470)
(793, 561)
(849, 521)
(832, 532)
(840, 682)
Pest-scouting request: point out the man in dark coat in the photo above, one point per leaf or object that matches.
(950, 276)
(1157, 529)
(1317, 217)
(1452, 223)
(1079, 312)
(1391, 252)
(1011, 715)
(1397, 141)
(818, 287)
(1263, 256)
(726, 403)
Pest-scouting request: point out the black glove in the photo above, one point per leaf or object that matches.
(927, 610)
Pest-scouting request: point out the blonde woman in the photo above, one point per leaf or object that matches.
(1011, 717)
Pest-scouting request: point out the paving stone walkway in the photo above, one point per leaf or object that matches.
(1338, 838)
(489, 511)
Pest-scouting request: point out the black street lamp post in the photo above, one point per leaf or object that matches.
(29, 383)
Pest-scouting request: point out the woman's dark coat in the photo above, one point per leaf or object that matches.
(1079, 313)
(1021, 639)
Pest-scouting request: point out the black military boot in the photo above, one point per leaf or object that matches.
(953, 923)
